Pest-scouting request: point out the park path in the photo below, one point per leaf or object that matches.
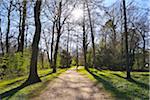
(73, 86)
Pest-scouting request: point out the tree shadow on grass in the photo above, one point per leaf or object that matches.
(10, 93)
(140, 84)
(108, 86)
(15, 82)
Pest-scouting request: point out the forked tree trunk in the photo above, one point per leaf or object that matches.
(58, 26)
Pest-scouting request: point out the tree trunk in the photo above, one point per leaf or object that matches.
(84, 39)
(20, 19)
(126, 41)
(8, 27)
(92, 33)
(58, 26)
(21, 41)
(56, 52)
(77, 53)
(33, 75)
(68, 46)
(52, 43)
(143, 51)
(1, 41)
(84, 49)
(42, 60)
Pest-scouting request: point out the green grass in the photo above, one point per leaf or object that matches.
(31, 90)
(121, 89)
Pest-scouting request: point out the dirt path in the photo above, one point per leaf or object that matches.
(73, 86)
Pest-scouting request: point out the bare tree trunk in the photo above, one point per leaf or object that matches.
(47, 48)
(33, 75)
(114, 37)
(143, 36)
(84, 39)
(56, 52)
(77, 53)
(68, 46)
(20, 19)
(58, 26)
(8, 27)
(1, 38)
(21, 41)
(122, 34)
(52, 43)
(126, 41)
(49, 60)
(26, 36)
(92, 33)
(85, 47)
(42, 59)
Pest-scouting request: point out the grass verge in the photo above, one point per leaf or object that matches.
(121, 89)
(31, 90)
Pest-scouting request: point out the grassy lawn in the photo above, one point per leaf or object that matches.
(31, 90)
(115, 83)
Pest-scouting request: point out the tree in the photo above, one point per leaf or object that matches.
(33, 75)
(1, 41)
(85, 44)
(58, 26)
(68, 38)
(60, 21)
(77, 47)
(126, 41)
(52, 43)
(92, 33)
(64, 57)
(22, 30)
(47, 47)
(8, 25)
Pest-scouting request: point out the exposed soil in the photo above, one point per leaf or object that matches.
(73, 86)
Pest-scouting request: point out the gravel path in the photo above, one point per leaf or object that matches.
(73, 86)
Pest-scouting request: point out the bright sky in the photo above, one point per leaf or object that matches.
(142, 3)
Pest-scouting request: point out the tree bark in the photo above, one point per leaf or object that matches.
(1, 40)
(68, 38)
(21, 43)
(77, 63)
(20, 19)
(8, 27)
(92, 33)
(126, 41)
(42, 59)
(84, 39)
(33, 75)
(143, 36)
(85, 47)
(58, 26)
(56, 52)
(52, 43)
